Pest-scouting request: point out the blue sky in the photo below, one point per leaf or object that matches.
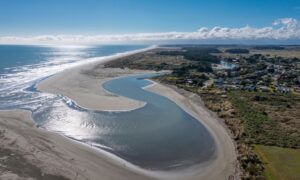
(27, 17)
(93, 17)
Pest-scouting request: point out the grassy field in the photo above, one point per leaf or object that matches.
(279, 163)
(269, 118)
(265, 119)
(149, 60)
(288, 52)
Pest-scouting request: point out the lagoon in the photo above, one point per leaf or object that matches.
(158, 136)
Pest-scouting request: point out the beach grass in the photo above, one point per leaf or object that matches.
(268, 118)
(280, 163)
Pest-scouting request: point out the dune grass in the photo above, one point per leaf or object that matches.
(279, 163)
(268, 118)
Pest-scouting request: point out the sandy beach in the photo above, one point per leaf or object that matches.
(83, 84)
(60, 156)
(225, 162)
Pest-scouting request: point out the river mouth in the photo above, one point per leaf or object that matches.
(158, 136)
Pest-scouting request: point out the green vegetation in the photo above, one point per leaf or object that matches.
(267, 47)
(194, 72)
(218, 101)
(237, 51)
(200, 54)
(279, 163)
(255, 118)
(149, 61)
(256, 110)
(188, 64)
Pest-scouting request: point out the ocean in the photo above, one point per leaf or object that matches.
(159, 136)
(21, 66)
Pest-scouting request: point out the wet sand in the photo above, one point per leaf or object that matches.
(53, 154)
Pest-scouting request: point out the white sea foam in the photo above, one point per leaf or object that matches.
(15, 80)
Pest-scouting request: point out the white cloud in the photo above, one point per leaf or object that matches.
(281, 29)
(288, 22)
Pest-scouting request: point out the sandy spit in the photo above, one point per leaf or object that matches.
(83, 84)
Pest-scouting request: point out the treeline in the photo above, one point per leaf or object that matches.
(237, 51)
(268, 47)
(199, 54)
(198, 67)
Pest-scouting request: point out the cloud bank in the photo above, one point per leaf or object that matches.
(281, 30)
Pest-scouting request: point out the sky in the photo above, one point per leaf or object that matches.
(154, 21)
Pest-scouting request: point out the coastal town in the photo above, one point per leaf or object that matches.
(251, 72)
(258, 73)
(227, 71)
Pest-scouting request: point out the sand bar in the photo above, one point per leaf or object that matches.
(83, 84)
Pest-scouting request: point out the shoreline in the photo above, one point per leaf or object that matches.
(226, 160)
(93, 75)
(83, 85)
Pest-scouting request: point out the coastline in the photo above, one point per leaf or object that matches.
(82, 84)
(225, 162)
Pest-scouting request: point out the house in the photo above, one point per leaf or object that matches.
(232, 87)
(264, 88)
(189, 81)
(219, 83)
(297, 89)
(282, 89)
(249, 88)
